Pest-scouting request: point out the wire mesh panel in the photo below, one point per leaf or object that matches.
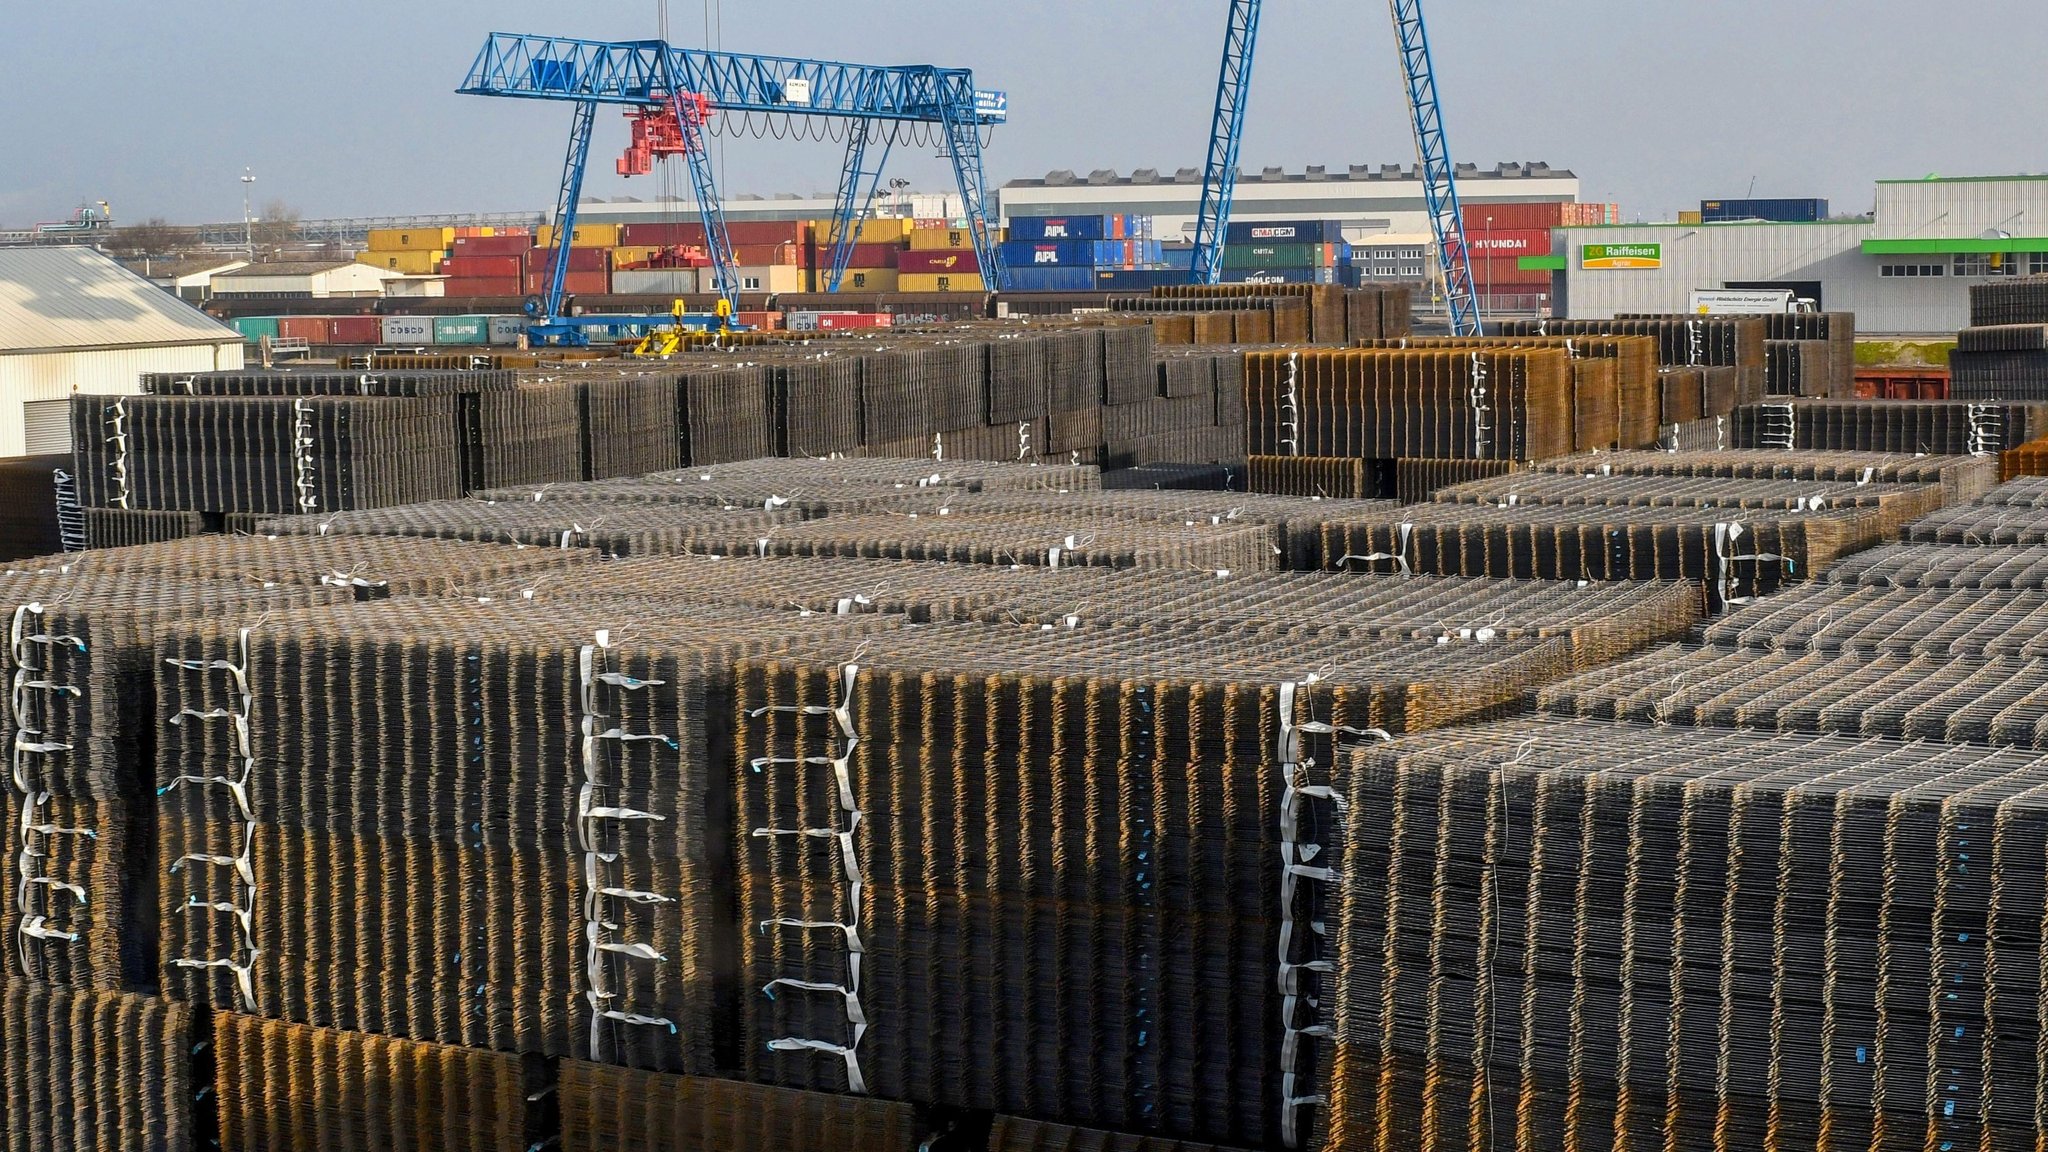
(1487, 403)
(1946, 566)
(88, 1069)
(1011, 1134)
(1570, 933)
(1962, 478)
(1934, 427)
(610, 1109)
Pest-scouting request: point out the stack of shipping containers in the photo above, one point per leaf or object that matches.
(941, 258)
(492, 265)
(1499, 236)
(1285, 252)
(590, 260)
(1065, 253)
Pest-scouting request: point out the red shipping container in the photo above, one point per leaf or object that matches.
(660, 235)
(481, 267)
(580, 259)
(767, 232)
(937, 262)
(1522, 216)
(491, 245)
(311, 329)
(766, 255)
(486, 286)
(841, 321)
(764, 321)
(577, 283)
(356, 330)
(1506, 243)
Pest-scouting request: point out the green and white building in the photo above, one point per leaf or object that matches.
(1906, 269)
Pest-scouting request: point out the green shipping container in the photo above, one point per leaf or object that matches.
(1253, 256)
(462, 330)
(254, 328)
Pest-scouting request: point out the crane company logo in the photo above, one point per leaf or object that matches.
(1274, 233)
(1614, 257)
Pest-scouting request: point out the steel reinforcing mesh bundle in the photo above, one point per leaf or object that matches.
(85, 1069)
(1895, 504)
(1963, 478)
(1932, 427)
(1031, 871)
(1683, 341)
(1486, 403)
(1946, 566)
(615, 529)
(288, 1086)
(1627, 403)
(1575, 934)
(607, 1107)
(369, 567)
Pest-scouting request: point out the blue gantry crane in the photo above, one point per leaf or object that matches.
(1439, 176)
(673, 93)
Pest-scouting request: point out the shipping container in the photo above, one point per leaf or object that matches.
(575, 284)
(761, 255)
(1120, 226)
(479, 267)
(1520, 216)
(587, 236)
(503, 244)
(311, 329)
(423, 262)
(355, 330)
(1039, 278)
(1507, 242)
(462, 330)
(655, 282)
(765, 321)
(862, 256)
(1075, 253)
(1280, 276)
(507, 329)
(950, 282)
(1780, 211)
(944, 240)
(580, 260)
(882, 230)
(1284, 232)
(485, 286)
(869, 280)
(411, 239)
(1279, 255)
(938, 260)
(836, 321)
(407, 331)
(1180, 256)
(1138, 279)
(255, 328)
(634, 256)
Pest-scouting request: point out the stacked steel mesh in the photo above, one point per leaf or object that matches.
(1798, 368)
(1573, 934)
(1693, 341)
(375, 1093)
(1635, 381)
(2004, 352)
(121, 527)
(728, 413)
(628, 426)
(512, 814)
(1946, 566)
(1962, 478)
(1835, 330)
(85, 1069)
(368, 567)
(1011, 1134)
(614, 528)
(1487, 403)
(1030, 871)
(1982, 524)
(1895, 504)
(606, 1107)
(1735, 555)
(1931, 427)
(1054, 540)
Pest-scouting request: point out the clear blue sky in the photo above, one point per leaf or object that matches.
(348, 108)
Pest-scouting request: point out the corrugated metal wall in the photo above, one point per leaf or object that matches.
(57, 375)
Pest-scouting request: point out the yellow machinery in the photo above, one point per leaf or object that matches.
(664, 342)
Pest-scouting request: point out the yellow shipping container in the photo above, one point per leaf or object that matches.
(945, 239)
(586, 236)
(933, 282)
(869, 280)
(880, 231)
(411, 239)
(410, 263)
(1685, 217)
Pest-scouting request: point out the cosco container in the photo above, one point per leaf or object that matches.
(462, 330)
(507, 329)
(407, 330)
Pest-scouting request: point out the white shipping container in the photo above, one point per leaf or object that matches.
(654, 282)
(408, 330)
(508, 329)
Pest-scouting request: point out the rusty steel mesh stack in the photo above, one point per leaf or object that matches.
(1982, 524)
(1682, 341)
(1895, 504)
(1578, 934)
(1798, 368)
(122, 527)
(1013, 1134)
(1735, 554)
(1031, 871)
(1946, 566)
(1962, 478)
(1055, 540)
(1931, 427)
(288, 1086)
(783, 476)
(607, 1107)
(728, 413)
(1485, 403)
(628, 426)
(616, 529)
(95, 1069)
(511, 813)
(1625, 399)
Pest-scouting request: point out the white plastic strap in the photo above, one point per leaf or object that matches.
(1399, 557)
(850, 931)
(855, 1082)
(1290, 406)
(241, 971)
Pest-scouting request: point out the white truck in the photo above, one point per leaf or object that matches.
(1747, 302)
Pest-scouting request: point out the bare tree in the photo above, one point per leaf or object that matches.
(275, 226)
(155, 237)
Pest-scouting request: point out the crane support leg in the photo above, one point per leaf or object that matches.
(711, 210)
(1439, 177)
(963, 145)
(548, 328)
(1219, 174)
(867, 153)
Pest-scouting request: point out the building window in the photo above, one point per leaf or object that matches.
(2037, 263)
(1990, 264)
(1889, 270)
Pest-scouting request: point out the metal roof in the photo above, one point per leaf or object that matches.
(293, 268)
(76, 299)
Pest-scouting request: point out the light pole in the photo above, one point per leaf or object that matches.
(248, 221)
(1486, 306)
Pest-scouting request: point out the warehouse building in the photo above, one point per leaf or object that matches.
(73, 320)
(190, 278)
(1369, 200)
(1906, 270)
(304, 279)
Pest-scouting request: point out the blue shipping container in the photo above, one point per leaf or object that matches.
(1280, 276)
(1284, 232)
(1181, 258)
(1117, 227)
(1026, 278)
(1066, 253)
(1779, 211)
(1138, 279)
